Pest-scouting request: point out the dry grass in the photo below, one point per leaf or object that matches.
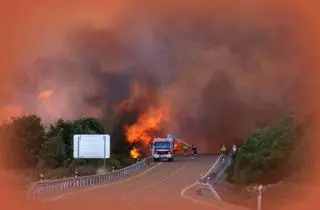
(275, 197)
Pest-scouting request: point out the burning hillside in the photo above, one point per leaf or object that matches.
(220, 76)
(147, 126)
(150, 124)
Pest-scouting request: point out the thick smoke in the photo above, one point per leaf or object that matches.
(224, 67)
(221, 76)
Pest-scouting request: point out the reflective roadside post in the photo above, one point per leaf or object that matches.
(234, 148)
(41, 177)
(76, 176)
(259, 189)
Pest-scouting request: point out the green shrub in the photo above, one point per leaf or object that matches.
(266, 156)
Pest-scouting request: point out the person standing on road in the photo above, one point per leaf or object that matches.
(194, 149)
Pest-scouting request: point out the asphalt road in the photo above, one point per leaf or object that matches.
(164, 185)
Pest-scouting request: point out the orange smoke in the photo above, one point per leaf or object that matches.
(23, 20)
(7, 112)
(45, 94)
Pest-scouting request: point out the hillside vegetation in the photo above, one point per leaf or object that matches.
(276, 152)
(30, 146)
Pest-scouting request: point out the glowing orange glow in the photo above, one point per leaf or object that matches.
(134, 153)
(45, 94)
(176, 146)
(6, 112)
(151, 120)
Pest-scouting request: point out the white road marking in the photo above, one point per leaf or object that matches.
(184, 190)
(102, 186)
(192, 199)
(127, 196)
(212, 167)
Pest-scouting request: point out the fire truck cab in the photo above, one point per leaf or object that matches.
(163, 148)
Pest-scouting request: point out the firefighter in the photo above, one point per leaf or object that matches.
(194, 149)
(185, 149)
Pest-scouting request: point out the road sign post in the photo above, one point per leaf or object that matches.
(92, 146)
(78, 153)
(104, 152)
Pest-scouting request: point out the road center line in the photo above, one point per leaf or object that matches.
(184, 190)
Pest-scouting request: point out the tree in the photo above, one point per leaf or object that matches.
(264, 155)
(26, 143)
(24, 136)
(58, 147)
(53, 153)
(304, 149)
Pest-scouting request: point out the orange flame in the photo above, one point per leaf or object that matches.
(150, 120)
(134, 153)
(176, 145)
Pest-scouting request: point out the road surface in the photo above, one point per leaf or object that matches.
(164, 185)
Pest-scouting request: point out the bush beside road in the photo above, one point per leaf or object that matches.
(31, 148)
(275, 156)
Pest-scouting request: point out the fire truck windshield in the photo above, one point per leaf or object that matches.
(162, 145)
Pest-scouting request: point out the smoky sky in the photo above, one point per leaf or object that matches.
(221, 76)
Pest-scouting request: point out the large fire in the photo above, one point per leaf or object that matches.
(148, 122)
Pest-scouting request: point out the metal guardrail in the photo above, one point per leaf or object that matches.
(207, 182)
(223, 167)
(46, 188)
(214, 175)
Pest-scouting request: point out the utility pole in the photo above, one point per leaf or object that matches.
(259, 189)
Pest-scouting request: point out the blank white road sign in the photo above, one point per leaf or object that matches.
(91, 146)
